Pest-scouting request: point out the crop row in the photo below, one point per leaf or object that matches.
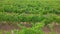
(28, 18)
(30, 7)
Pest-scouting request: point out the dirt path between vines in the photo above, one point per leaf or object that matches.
(56, 30)
(45, 29)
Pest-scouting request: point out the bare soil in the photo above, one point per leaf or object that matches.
(45, 29)
(8, 27)
(56, 29)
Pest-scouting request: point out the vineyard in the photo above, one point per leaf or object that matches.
(29, 16)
